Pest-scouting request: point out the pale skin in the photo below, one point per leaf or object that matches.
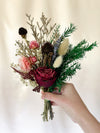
(73, 105)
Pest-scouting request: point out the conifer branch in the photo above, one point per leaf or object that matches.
(68, 31)
(70, 64)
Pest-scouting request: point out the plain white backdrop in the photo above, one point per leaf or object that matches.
(20, 108)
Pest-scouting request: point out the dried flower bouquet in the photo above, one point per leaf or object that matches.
(49, 59)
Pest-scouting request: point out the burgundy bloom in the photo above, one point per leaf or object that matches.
(45, 76)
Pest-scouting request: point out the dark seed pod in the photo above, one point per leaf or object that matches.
(22, 31)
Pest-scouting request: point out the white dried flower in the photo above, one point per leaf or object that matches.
(58, 62)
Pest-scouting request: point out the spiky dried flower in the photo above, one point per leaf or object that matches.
(47, 47)
(47, 52)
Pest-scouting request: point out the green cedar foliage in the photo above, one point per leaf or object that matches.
(70, 63)
(68, 31)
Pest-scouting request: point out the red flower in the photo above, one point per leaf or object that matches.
(33, 45)
(45, 76)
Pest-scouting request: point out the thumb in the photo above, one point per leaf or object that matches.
(52, 97)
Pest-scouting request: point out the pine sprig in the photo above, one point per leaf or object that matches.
(68, 31)
(90, 47)
(70, 62)
(65, 75)
(78, 51)
(69, 71)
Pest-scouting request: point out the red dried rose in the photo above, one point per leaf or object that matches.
(45, 76)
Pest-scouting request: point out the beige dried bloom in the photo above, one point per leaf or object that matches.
(58, 62)
(63, 48)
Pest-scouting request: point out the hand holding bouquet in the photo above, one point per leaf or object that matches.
(48, 60)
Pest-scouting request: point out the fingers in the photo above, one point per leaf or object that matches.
(56, 92)
(50, 96)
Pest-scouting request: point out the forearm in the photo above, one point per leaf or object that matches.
(88, 123)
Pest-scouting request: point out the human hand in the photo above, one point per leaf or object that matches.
(73, 105)
(69, 100)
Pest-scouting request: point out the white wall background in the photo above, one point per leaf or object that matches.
(20, 108)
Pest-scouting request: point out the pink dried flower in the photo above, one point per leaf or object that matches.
(32, 59)
(24, 64)
(33, 45)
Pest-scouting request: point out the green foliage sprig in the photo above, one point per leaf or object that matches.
(48, 58)
(70, 62)
(68, 31)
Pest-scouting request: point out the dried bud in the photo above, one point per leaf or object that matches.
(47, 47)
(47, 51)
(22, 31)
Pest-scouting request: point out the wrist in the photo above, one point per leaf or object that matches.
(88, 123)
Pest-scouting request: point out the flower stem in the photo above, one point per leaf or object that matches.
(47, 111)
